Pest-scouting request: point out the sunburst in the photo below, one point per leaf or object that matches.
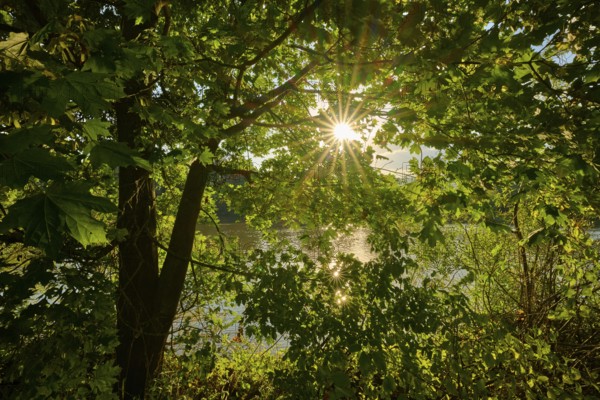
(342, 131)
(339, 143)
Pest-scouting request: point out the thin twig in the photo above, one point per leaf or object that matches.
(206, 265)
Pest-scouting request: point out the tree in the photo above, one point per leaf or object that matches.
(89, 85)
(507, 92)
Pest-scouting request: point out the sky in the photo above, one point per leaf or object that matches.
(398, 158)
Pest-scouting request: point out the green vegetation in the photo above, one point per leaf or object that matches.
(122, 123)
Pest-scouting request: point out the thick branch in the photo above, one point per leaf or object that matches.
(172, 275)
(230, 171)
(249, 120)
(283, 125)
(167, 13)
(264, 103)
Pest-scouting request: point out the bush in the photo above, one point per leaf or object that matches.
(57, 333)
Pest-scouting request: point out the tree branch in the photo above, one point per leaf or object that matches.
(282, 125)
(265, 101)
(166, 8)
(234, 171)
(205, 265)
(293, 26)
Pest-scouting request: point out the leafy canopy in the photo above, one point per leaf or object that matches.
(506, 91)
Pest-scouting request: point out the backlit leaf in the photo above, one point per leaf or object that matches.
(16, 170)
(115, 154)
(62, 208)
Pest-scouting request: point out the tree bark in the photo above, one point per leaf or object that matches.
(175, 266)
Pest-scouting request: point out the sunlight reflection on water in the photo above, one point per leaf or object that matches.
(247, 239)
(354, 243)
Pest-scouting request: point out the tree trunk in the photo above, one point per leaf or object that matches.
(138, 353)
(175, 266)
(138, 264)
(147, 302)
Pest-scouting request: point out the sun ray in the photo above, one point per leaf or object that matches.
(345, 171)
(336, 157)
(359, 168)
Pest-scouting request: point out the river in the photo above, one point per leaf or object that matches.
(248, 238)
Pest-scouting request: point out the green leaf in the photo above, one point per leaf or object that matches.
(176, 47)
(96, 63)
(592, 76)
(15, 44)
(77, 192)
(95, 127)
(87, 89)
(105, 48)
(566, 378)
(341, 382)
(21, 139)
(62, 209)
(115, 154)
(39, 217)
(364, 363)
(16, 170)
(378, 358)
(206, 157)
(389, 384)
(415, 148)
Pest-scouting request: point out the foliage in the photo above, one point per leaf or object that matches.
(123, 122)
(57, 330)
(237, 370)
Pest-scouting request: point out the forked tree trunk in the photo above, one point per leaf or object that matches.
(147, 302)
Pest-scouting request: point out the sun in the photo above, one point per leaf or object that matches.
(344, 132)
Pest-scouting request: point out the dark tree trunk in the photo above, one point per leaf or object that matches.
(147, 302)
(175, 266)
(139, 352)
(138, 264)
